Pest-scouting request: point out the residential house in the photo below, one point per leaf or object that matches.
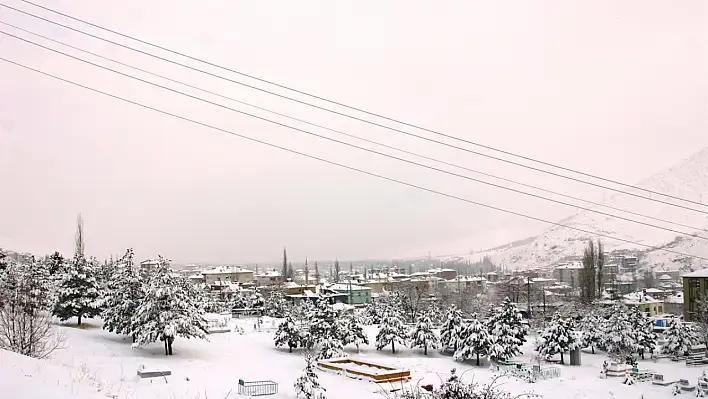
(673, 304)
(650, 306)
(570, 274)
(695, 287)
(356, 294)
(228, 274)
(268, 278)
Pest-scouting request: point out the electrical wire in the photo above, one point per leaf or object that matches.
(349, 144)
(357, 118)
(344, 133)
(344, 166)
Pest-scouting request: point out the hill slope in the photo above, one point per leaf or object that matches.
(688, 179)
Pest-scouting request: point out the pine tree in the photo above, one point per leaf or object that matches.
(326, 331)
(126, 291)
(619, 339)
(284, 272)
(171, 307)
(288, 333)
(56, 264)
(474, 341)
(592, 327)
(275, 306)
(422, 335)
(78, 293)
(643, 330)
(680, 338)
(336, 270)
(353, 331)
(392, 330)
(308, 383)
(558, 337)
(451, 328)
(507, 331)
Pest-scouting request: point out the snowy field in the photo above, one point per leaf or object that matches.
(98, 364)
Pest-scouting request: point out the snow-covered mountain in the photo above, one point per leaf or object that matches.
(688, 179)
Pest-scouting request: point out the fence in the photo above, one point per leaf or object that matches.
(546, 373)
(257, 388)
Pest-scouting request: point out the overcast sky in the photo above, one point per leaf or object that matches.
(616, 88)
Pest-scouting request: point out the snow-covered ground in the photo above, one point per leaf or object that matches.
(98, 364)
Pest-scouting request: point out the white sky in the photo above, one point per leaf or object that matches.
(618, 89)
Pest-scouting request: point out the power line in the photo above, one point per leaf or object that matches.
(352, 168)
(349, 144)
(344, 133)
(354, 117)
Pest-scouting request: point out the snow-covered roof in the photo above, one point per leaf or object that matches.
(345, 287)
(637, 298)
(541, 280)
(654, 291)
(665, 277)
(678, 298)
(697, 273)
(197, 276)
(269, 273)
(227, 270)
(570, 266)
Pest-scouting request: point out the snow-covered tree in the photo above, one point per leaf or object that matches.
(325, 331)
(276, 305)
(353, 331)
(643, 330)
(474, 341)
(308, 384)
(680, 337)
(171, 307)
(126, 290)
(619, 339)
(79, 293)
(289, 333)
(392, 330)
(558, 337)
(592, 327)
(422, 334)
(451, 328)
(507, 331)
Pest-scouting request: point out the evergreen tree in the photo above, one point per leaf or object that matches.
(276, 305)
(451, 329)
(619, 339)
(558, 337)
(288, 333)
(592, 327)
(78, 293)
(680, 337)
(474, 341)
(422, 335)
(55, 263)
(336, 270)
(507, 331)
(125, 292)
(600, 265)
(308, 383)
(326, 331)
(353, 332)
(392, 330)
(643, 330)
(172, 307)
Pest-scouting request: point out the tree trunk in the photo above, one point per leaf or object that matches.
(133, 336)
(166, 353)
(425, 350)
(592, 348)
(393, 347)
(290, 349)
(477, 358)
(562, 358)
(169, 345)
(79, 321)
